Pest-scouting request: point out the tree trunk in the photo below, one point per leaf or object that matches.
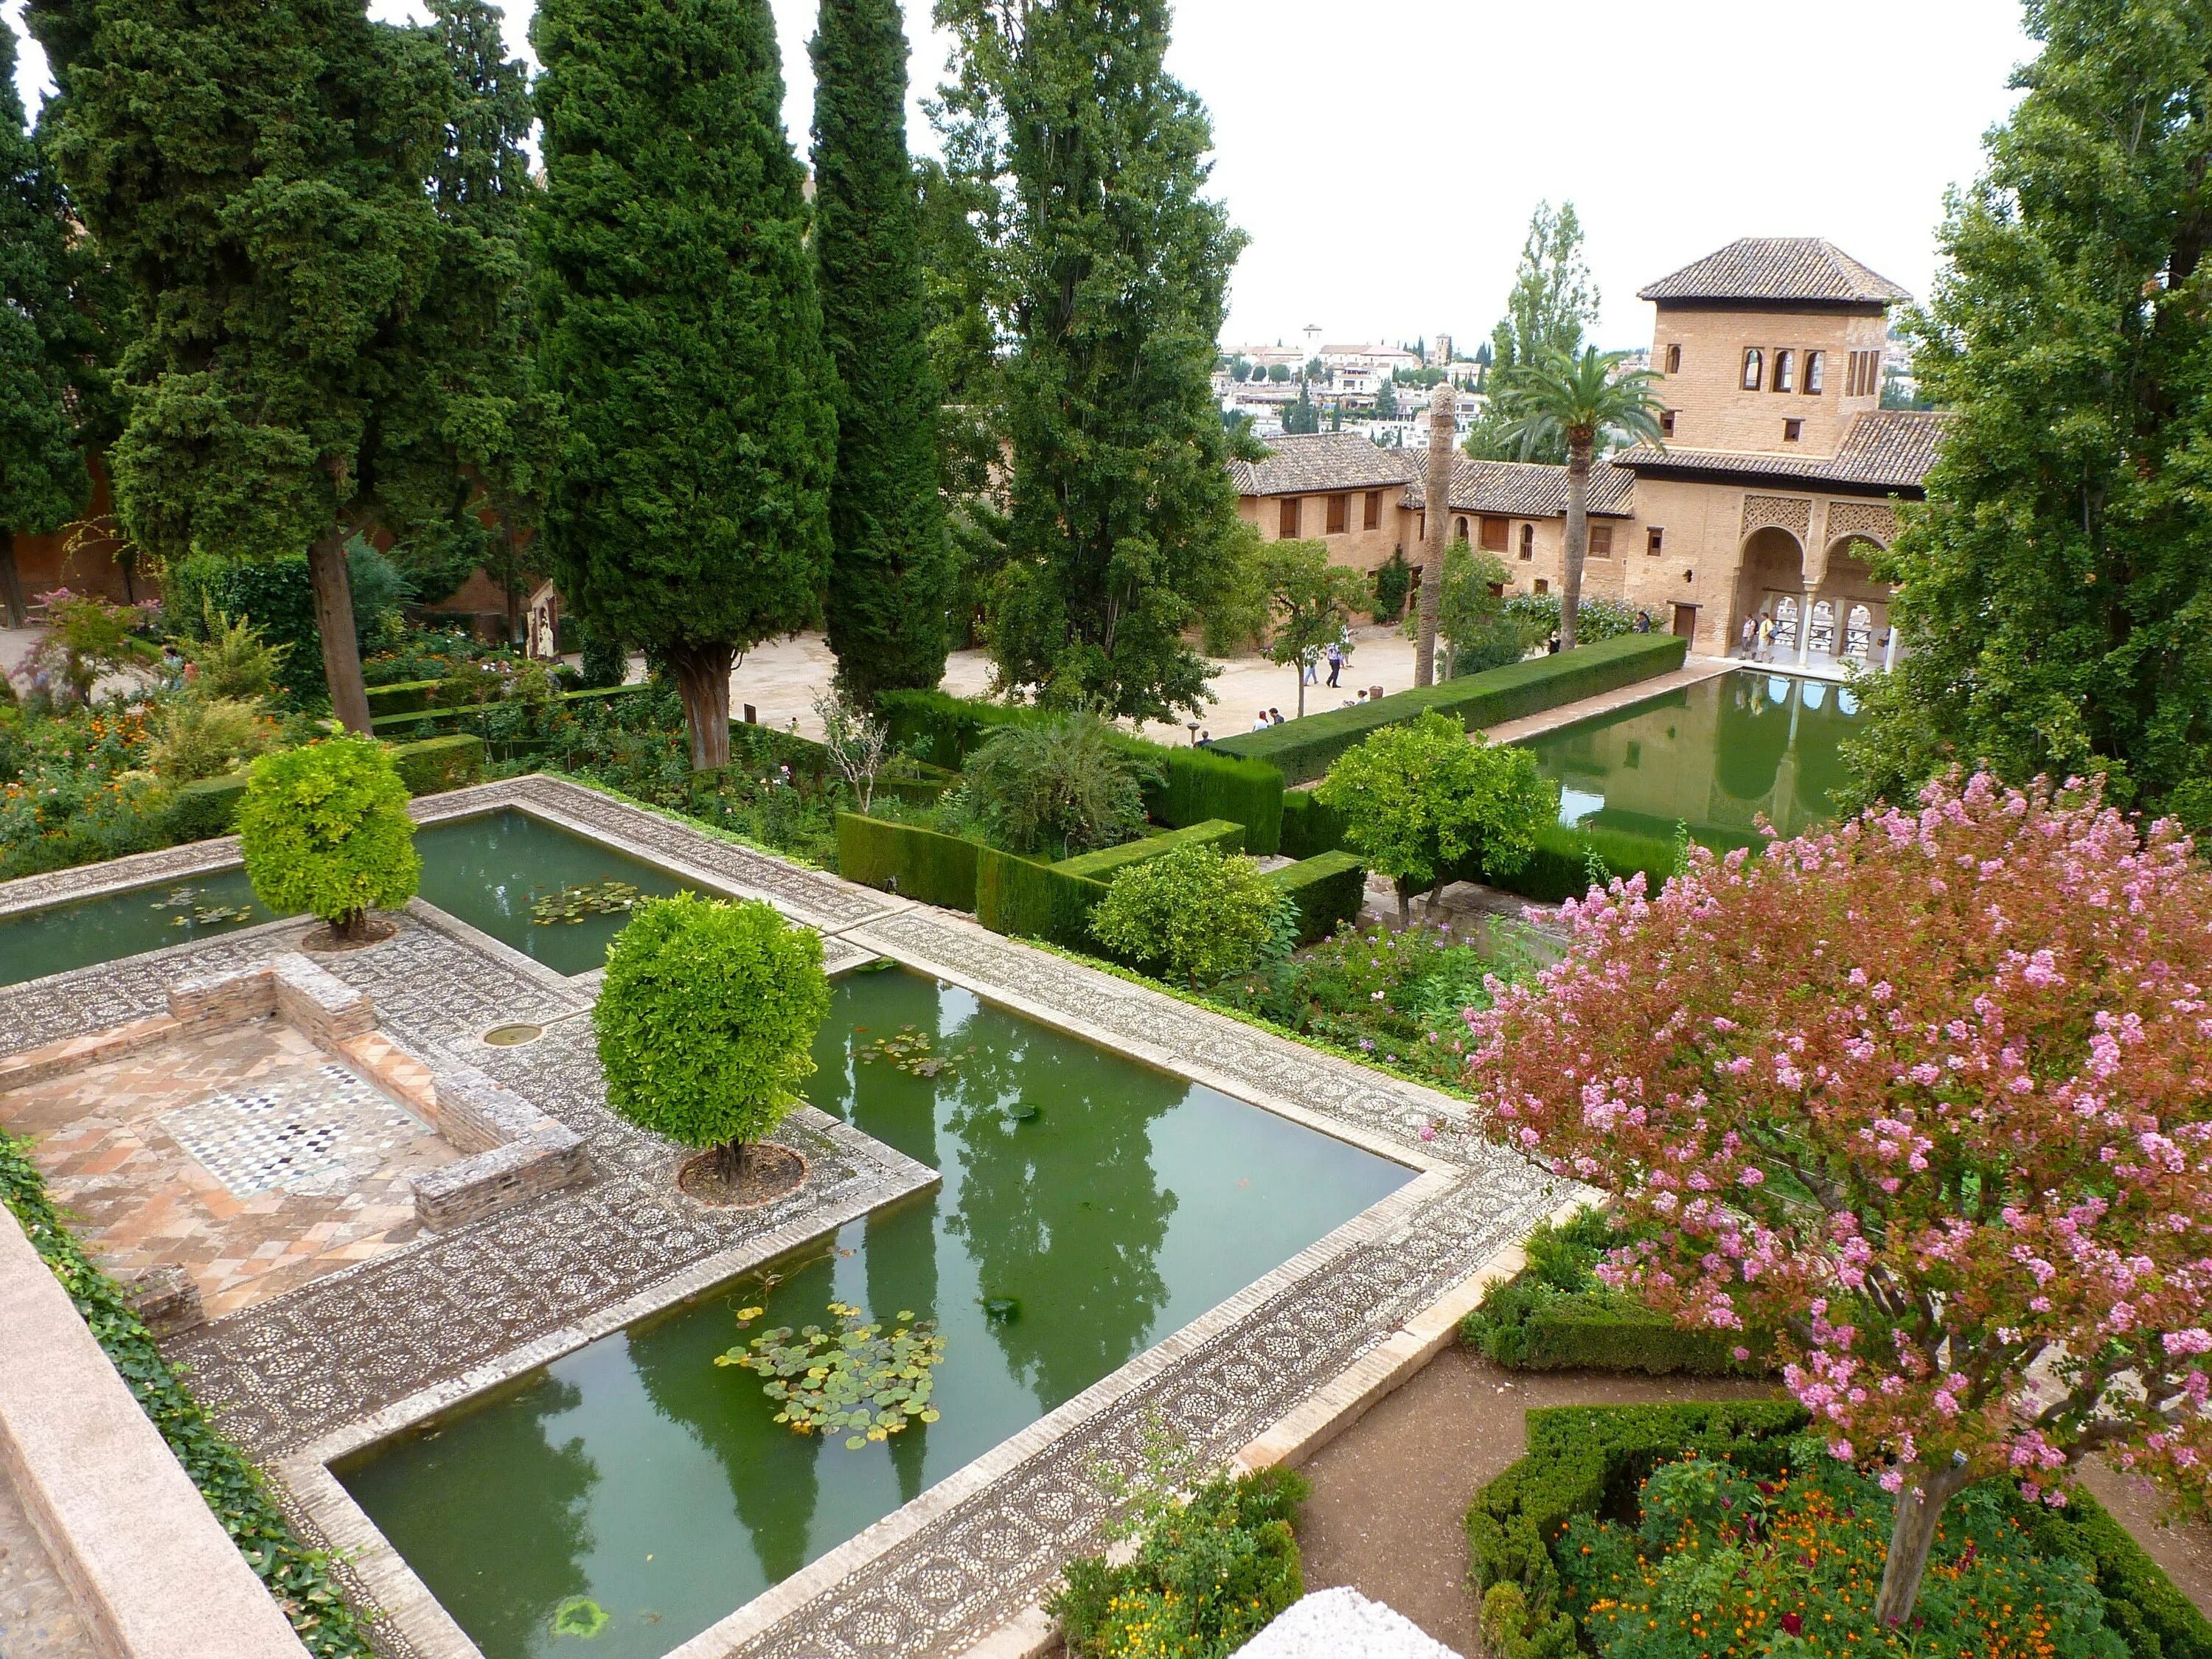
(353, 924)
(1443, 431)
(1405, 901)
(1920, 1501)
(703, 676)
(1570, 598)
(326, 565)
(730, 1162)
(11, 584)
(1300, 667)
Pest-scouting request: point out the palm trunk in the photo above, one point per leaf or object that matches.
(1920, 1501)
(1443, 431)
(333, 586)
(1570, 596)
(11, 584)
(703, 676)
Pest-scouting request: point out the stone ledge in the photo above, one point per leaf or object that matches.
(73, 1443)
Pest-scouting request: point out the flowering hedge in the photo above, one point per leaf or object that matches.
(1927, 1097)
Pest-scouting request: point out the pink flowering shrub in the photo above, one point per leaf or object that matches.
(1926, 1102)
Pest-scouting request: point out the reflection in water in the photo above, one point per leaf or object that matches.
(1129, 1203)
(1718, 756)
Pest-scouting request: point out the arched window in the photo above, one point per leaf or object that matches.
(1527, 541)
(1816, 373)
(1755, 369)
(1459, 529)
(1785, 623)
(1823, 635)
(1674, 359)
(1785, 370)
(1858, 633)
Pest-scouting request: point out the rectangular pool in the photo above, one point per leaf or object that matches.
(488, 871)
(636, 1489)
(1715, 756)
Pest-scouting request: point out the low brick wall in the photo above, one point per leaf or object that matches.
(519, 1151)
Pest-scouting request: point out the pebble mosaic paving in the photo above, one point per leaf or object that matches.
(308, 1366)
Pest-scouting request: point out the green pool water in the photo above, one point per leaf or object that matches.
(488, 871)
(1714, 756)
(636, 1474)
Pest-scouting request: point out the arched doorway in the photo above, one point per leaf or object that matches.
(1858, 605)
(1770, 583)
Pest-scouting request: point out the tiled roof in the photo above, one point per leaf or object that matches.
(1525, 489)
(1801, 269)
(1319, 462)
(1887, 449)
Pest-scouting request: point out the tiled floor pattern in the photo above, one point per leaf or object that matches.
(37, 1616)
(247, 1157)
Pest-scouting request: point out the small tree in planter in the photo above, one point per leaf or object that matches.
(1929, 1100)
(705, 1022)
(1420, 798)
(323, 829)
(1195, 913)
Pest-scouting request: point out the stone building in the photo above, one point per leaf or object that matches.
(1780, 471)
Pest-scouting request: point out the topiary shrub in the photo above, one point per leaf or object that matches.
(706, 1023)
(323, 829)
(603, 660)
(1193, 914)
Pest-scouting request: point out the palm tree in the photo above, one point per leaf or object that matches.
(1557, 397)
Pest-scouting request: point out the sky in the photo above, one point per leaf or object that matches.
(1384, 158)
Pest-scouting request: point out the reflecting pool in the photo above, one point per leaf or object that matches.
(1715, 756)
(1090, 1206)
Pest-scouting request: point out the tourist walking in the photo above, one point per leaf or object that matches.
(1766, 653)
(1335, 661)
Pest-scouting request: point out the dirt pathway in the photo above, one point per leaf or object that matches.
(1390, 1494)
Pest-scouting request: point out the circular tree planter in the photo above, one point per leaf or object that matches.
(327, 941)
(768, 1172)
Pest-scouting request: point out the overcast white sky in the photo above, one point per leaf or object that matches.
(1344, 130)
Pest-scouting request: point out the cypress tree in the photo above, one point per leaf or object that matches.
(889, 576)
(257, 177)
(2057, 601)
(42, 481)
(680, 326)
(1110, 275)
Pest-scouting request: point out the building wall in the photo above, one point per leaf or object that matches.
(1358, 548)
(1711, 408)
(46, 563)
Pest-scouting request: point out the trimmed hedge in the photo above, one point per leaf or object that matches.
(434, 765)
(908, 859)
(1025, 899)
(1202, 785)
(1224, 834)
(1559, 868)
(200, 810)
(297, 1579)
(392, 727)
(1535, 1326)
(943, 729)
(1308, 828)
(402, 697)
(1329, 889)
(2155, 1619)
(1302, 750)
(915, 782)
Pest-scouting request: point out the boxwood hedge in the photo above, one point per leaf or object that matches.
(908, 859)
(1328, 889)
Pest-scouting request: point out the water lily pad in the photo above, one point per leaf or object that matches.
(580, 1616)
(1023, 1111)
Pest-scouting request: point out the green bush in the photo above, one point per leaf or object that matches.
(2155, 1620)
(1537, 616)
(1200, 785)
(1193, 912)
(434, 765)
(601, 658)
(1207, 1577)
(297, 1577)
(1393, 580)
(1328, 889)
(1302, 750)
(1066, 786)
(908, 859)
(402, 697)
(196, 812)
(943, 729)
(1308, 828)
(1223, 835)
(707, 1020)
(277, 597)
(323, 829)
(915, 782)
(1024, 898)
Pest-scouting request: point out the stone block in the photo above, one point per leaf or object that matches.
(165, 1298)
(319, 1003)
(230, 999)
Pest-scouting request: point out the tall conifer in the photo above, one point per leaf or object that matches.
(42, 472)
(889, 577)
(1109, 271)
(681, 328)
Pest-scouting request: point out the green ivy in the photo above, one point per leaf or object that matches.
(297, 1576)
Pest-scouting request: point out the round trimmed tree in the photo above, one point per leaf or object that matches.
(323, 829)
(1193, 912)
(705, 1022)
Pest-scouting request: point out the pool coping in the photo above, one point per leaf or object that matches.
(859, 923)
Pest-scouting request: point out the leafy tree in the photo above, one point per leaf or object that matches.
(1071, 782)
(706, 1023)
(1567, 402)
(1953, 1168)
(1471, 612)
(1553, 301)
(1302, 416)
(1195, 913)
(889, 575)
(1307, 600)
(1278, 374)
(689, 512)
(259, 180)
(323, 829)
(1425, 800)
(42, 481)
(2055, 606)
(1386, 401)
(1109, 271)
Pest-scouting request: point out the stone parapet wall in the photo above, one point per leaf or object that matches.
(519, 1151)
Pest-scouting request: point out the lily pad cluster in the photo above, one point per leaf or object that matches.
(854, 1377)
(910, 1049)
(187, 899)
(567, 906)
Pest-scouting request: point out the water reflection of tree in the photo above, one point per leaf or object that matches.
(1750, 738)
(1063, 1214)
(539, 1526)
